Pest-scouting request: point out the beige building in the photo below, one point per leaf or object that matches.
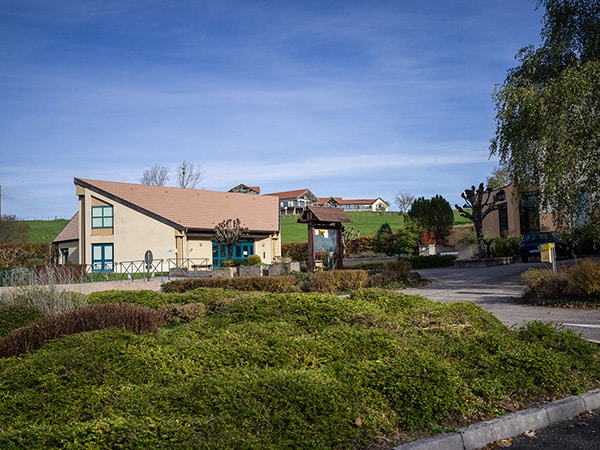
(516, 215)
(118, 223)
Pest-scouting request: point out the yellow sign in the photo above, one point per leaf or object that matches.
(547, 253)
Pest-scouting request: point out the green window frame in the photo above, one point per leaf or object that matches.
(102, 217)
(103, 257)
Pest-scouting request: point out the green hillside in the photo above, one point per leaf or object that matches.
(291, 230)
(44, 230)
(365, 222)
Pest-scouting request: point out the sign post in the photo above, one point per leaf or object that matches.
(148, 258)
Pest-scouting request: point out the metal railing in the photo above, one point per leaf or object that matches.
(121, 271)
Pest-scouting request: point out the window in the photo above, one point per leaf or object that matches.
(102, 216)
(503, 218)
(102, 257)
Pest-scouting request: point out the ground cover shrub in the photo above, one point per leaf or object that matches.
(430, 261)
(134, 318)
(506, 247)
(16, 316)
(336, 281)
(283, 283)
(577, 283)
(291, 370)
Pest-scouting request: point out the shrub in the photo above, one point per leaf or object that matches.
(579, 282)
(393, 272)
(284, 283)
(336, 281)
(176, 313)
(296, 251)
(254, 260)
(48, 299)
(506, 247)
(430, 261)
(134, 318)
(16, 316)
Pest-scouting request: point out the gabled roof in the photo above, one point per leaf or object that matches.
(70, 232)
(245, 189)
(360, 201)
(293, 194)
(324, 214)
(191, 209)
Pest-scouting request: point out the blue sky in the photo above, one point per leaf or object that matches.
(356, 99)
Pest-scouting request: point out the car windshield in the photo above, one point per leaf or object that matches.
(536, 237)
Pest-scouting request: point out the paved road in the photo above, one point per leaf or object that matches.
(496, 290)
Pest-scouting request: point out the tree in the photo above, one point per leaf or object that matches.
(477, 206)
(404, 200)
(189, 175)
(548, 113)
(157, 175)
(499, 178)
(434, 215)
(12, 231)
(230, 232)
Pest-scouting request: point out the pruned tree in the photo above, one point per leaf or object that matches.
(476, 207)
(189, 175)
(434, 215)
(404, 200)
(230, 232)
(12, 231)
(157, 175)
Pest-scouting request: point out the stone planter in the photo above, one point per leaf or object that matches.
(250, 271)
(224, 272)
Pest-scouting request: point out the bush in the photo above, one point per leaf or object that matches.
(134, 318)
(16, 316)
(578, 283)
(48, 299)
(506, 247)
(336, 281)
(430, 261)
(254, 260)
(284, 283)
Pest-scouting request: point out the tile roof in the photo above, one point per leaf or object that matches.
(191, 209)
(324, 214)
(290, 194)
(70, 232)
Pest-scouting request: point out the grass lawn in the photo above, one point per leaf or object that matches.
(291, 230)
(44, 230)
(365, 222)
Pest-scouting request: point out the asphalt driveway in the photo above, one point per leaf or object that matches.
(496, 290)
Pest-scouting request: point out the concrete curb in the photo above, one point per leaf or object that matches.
(481, 434)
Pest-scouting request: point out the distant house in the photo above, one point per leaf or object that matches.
(294, 202)
(517, 214)
(371, 205)
(119, 222)
(243, 189)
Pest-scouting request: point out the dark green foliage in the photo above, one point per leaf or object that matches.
(16, 316)
(134, 318)
(382, 241)
(506, 247)
(284, 283)
(254, 260)
(430, 261)
(434, 215)
(276, 371)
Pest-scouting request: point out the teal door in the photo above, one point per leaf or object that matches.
(240, 252)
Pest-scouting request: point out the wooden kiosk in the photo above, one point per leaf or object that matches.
(325, 233)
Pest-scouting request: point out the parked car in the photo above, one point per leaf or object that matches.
(531, 245)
